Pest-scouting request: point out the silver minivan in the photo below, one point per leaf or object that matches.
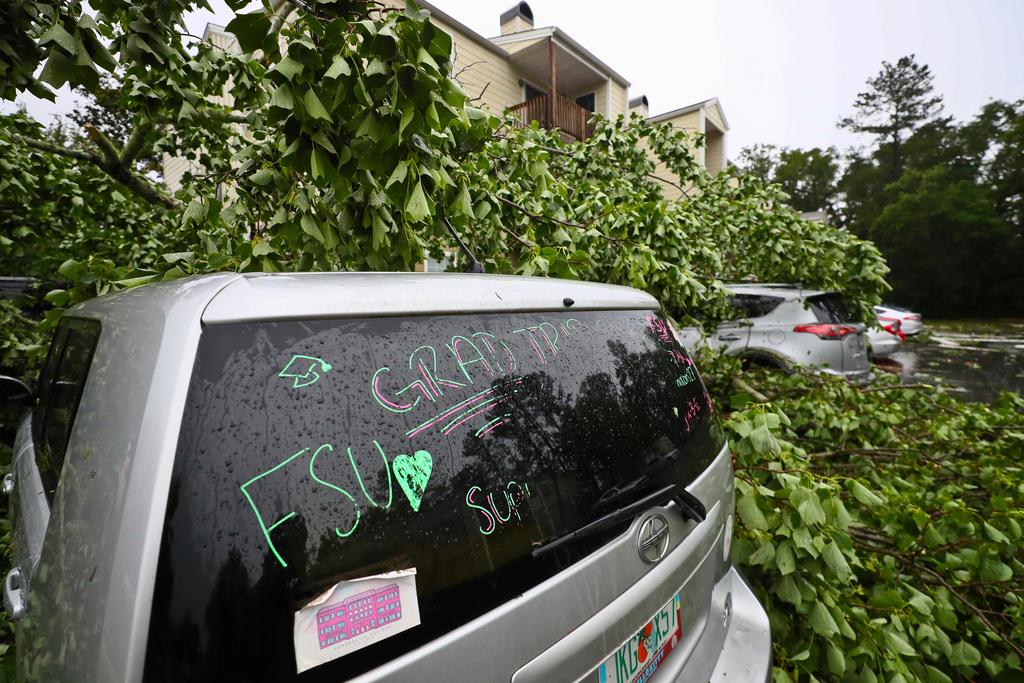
(375, 477)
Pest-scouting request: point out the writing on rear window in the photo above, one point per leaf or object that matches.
(411, 472)
(513, 429)
(514, 495)
(466, 360)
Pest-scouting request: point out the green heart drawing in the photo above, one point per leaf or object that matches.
(412, 473)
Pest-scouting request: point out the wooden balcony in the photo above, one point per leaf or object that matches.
(564, 114)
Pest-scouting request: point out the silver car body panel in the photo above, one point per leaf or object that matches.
(304, 296)
(121, 453)
(115, 478)
(28, 500)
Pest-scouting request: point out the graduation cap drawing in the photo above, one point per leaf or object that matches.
(304, 370)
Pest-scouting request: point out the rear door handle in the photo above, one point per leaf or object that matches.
(14, 594)
(729, 337)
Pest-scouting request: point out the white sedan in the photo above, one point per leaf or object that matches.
(910, 322)
(884, 338)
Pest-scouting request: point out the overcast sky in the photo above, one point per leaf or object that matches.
(784, 70)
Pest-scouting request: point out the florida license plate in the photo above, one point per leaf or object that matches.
(640, 656)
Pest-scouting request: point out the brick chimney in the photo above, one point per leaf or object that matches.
(517, 18)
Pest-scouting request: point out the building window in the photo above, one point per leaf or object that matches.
(532, 92)
(586, 101)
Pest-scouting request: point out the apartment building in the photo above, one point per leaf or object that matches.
(542, 74)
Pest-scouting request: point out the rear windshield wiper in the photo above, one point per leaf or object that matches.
(689, 505)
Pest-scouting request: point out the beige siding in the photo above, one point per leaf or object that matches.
(521, 45)
(714, 153)
(601, 99)
(619, 100)
(690, 122)
(174, 168)
(714, 115)
(480, 70)
(515, 25)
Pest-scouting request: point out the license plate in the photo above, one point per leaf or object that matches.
(640, 656)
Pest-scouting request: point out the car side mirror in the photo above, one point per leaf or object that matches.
(14, 392)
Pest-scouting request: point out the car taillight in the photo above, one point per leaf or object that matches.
(913, 317)
(826, 331)
(893, 328)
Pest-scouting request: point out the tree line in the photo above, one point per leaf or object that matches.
(942, 200)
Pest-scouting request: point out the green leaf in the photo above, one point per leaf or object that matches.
(897, 643)
(417, 209)
(136, 281)
(314, 107)
(423, 57)
(862, 494)
(380, 231)
(784, 559)
(994, 534)
(58, 70)
(750, 514)
(994, 570)
(463, 204)
(57, 297)
(398, 175)
(263, 177)
(261, 248)
(836, 660)
(58, 34)
(964, 654)
(836, 561)
(788, 591)
(310, 227)
(70, 269)
(282, 97)
(319, 164)
(339, 67)
(821, 621)
(288, 68)
(407, 115)
(250, 29)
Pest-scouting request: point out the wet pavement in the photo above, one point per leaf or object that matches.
(975, 359)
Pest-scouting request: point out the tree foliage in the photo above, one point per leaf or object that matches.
(356, 145)
(809, 177)
(881, 527)
(898, 100)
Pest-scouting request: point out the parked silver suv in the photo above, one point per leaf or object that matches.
(785, 325)
(369, 477)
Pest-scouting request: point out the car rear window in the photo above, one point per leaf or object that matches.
(830, 308)
(300, 463)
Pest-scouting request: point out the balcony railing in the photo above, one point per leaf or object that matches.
(565, 114)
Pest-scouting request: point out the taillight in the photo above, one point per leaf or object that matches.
(894, 329)
(913, 317)
(826, 331)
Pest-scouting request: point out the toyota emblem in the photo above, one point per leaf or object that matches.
(652, 540)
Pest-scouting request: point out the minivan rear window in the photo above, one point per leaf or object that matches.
(317, 451)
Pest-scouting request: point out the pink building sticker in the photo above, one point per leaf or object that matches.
(354, 614)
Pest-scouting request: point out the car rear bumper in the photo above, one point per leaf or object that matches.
(885, 347)
(747, 652)
(737, 621)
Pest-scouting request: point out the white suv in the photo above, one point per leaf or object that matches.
(785, 326)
